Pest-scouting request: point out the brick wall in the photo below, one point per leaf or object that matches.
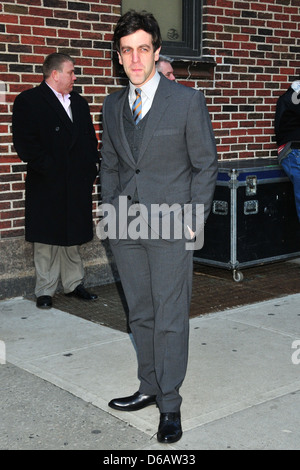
(255, 46)
(257, 51)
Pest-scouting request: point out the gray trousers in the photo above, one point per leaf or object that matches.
(157, 280)
(57, 262)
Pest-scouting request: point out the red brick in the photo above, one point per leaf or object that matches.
(32, 20)
(6, 19)
(44, 31)
(17, 29)
(5, 225)
(4, 206)
(10, 38)
(32, 40)
(31, 59)
(10, 196)
(41, 12)
(68, 33)
(13, 214)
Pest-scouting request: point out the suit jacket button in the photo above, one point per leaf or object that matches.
(57, 128)
(137, 171)
(129, 198)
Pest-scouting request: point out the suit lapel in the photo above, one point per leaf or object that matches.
(119, 110)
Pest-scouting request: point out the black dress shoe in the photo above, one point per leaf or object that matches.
(169, 429)
(44, 301)
(134, 402)
(82, 293)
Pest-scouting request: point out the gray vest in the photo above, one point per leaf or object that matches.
(134, 133)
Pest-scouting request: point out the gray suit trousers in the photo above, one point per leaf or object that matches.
(53, 263)
(157, 279)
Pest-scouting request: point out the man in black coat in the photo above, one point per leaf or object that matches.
(53, 132)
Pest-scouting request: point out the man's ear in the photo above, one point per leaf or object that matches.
(120, 58)
(156, 54)
(54, 75)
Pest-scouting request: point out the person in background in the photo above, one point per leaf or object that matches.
(54, 134)
(287, 130)
(158, 148)
(164, 65)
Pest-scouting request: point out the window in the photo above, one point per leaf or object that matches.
(179, 21)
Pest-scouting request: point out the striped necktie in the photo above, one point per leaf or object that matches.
(137, 106)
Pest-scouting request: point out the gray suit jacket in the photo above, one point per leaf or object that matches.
(177, 160)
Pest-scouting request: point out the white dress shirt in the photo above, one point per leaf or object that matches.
(64, 100)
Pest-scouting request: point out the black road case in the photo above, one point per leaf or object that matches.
(253, 218)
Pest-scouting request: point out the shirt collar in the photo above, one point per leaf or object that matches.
(59, 95)
(296, 86)
(148, 89)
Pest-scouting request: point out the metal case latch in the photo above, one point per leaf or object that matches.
(220, 207)
(251, 185)
(251, 207)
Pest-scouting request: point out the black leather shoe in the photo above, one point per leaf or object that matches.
(44, 301)
(82, 293)
(134, 402)
(169, 429)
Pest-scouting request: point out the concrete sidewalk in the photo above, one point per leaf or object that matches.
(242, 389)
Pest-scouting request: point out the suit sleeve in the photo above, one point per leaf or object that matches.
(109, 173)
(202, 152)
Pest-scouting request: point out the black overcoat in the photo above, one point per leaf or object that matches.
(61, 158)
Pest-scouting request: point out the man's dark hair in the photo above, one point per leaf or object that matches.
(132, 21)
(54, 62)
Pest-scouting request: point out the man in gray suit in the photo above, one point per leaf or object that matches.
(166, 156)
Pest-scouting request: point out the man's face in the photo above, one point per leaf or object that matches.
(167, 70)
(65, 78)
(138, 57)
